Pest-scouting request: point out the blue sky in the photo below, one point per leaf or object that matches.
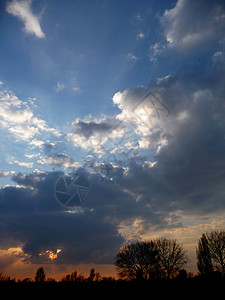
(75, 59)
(132, 87)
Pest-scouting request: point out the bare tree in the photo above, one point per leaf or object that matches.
(172, 256)
(136, 260)
(204, 258)
(216, 243)
(40, 275)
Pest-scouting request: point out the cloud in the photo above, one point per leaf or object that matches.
(188, 144)
(6, 173)
(91, 133)
(60, 160)
(34, 220)
(91, 128)
(17, 116)
(76, 89)
(140, 35)
(149, 113)
(60, 87)
(132, 57)
(180, 120)
(28, 165)
(192, 24)
(22, 10)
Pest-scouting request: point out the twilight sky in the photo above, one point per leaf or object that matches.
(130, 96)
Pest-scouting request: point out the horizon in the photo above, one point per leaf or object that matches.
(112, 129)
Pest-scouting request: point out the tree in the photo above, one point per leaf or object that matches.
(73, 276)
(92, 274)
(4, 278)
(216, 245)
(40, 275)
(172, 256)
(204, 258)
(97, 276)
(137, 260)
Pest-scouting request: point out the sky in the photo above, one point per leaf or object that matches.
(112, 129)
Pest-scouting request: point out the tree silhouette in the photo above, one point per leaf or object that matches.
(73, 276)
(204, 259)
(136, 261)
(97, 276)
(92, 274)
(215, 251)
(172, 256)
(40, 275)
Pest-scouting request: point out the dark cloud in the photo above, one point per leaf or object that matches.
(89, 128)
(186, 178)
(188, 174)
(31, 216)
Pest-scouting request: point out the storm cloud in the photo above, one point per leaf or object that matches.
(32, 218)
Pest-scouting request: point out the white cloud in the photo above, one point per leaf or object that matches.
(60, 87)
(141, 35)
(37, 143)
(31, 155)
(139, 17)
(6, 173)
(149, 115)
(191, 23)
(28, 165)
(76, 89)
(17, 116)
(155, 50)
(59, 160)
(22, 10)
(23, 133)
(132, 57)
(91, 133)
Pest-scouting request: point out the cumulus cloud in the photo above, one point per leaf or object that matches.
(189, 143)
(148, 111)
(191, 24)
(189, 27)
(22, 10)
(91, 133)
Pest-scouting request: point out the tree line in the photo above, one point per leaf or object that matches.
(161, 258)
(166, 258)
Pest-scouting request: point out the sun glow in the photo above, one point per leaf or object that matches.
(50, 254)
